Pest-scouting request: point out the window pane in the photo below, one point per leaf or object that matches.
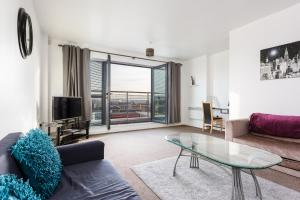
(159, 94)
(96, 91)
(130, 94)
(129, 78)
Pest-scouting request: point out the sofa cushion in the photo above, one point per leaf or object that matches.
(275, 125)
(8, 164)
(13, 188)
(39, 161)
(93, 180)
(284, 149)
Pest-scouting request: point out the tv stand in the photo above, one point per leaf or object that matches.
(70, 127)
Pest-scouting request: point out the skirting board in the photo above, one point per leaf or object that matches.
(130, 127)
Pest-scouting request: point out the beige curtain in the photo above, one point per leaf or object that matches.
(76, 76)
(174, 93)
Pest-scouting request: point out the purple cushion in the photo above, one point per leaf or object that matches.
(275, 125)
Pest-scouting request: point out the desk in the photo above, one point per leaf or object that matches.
(222, 110)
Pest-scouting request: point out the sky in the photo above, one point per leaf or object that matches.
(128, 78)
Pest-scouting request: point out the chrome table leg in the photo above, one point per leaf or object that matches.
(194, 162)
(257, 187)
(237, 186)
(174, 170)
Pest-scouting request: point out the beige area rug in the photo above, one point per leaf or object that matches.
(210, 182)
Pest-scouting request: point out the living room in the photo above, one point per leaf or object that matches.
(149, 100)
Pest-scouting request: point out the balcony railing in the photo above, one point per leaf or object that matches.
(125, 107)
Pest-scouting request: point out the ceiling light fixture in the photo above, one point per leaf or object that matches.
(150, 52)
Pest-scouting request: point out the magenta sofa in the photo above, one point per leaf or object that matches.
(257, 132)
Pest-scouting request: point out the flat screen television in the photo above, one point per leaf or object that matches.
(66, 107)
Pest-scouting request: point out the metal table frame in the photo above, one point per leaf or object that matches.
(237, 186)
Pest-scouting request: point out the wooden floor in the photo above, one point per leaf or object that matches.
(127, 149)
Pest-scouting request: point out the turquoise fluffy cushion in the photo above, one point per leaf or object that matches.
(39, 161)
(12, 188)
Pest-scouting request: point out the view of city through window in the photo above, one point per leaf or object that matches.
(130, 93)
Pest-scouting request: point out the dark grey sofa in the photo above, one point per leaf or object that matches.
(86, 175)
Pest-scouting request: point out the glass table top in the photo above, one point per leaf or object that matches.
(225, 152)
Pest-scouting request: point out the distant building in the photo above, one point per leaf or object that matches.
(286, 55)
(265, 72)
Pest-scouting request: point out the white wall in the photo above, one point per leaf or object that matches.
(44, 79)
(218, 75)
(248, 93)
(211, 76)
(19, 78)
(55, 62)
(192, 96)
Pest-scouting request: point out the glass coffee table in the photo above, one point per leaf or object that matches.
(219, 151)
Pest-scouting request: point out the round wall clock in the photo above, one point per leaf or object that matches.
(25, 35)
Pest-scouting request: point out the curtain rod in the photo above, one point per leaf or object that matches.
(116, 54)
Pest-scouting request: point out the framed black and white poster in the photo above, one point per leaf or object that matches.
(280, 62)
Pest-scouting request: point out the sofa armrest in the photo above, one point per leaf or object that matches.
(235, 128)
(81, 152)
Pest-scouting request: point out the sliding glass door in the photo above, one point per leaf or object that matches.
(159, 94)
(130, 93)
(97, 92)
(108, 92)
(127, 94)
(100, 92)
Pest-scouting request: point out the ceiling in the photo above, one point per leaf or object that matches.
(179, 29)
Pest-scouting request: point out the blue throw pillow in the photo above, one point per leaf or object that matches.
(39, 161)
(12, 188)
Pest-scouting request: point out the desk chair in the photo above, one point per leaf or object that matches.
(209, 119)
